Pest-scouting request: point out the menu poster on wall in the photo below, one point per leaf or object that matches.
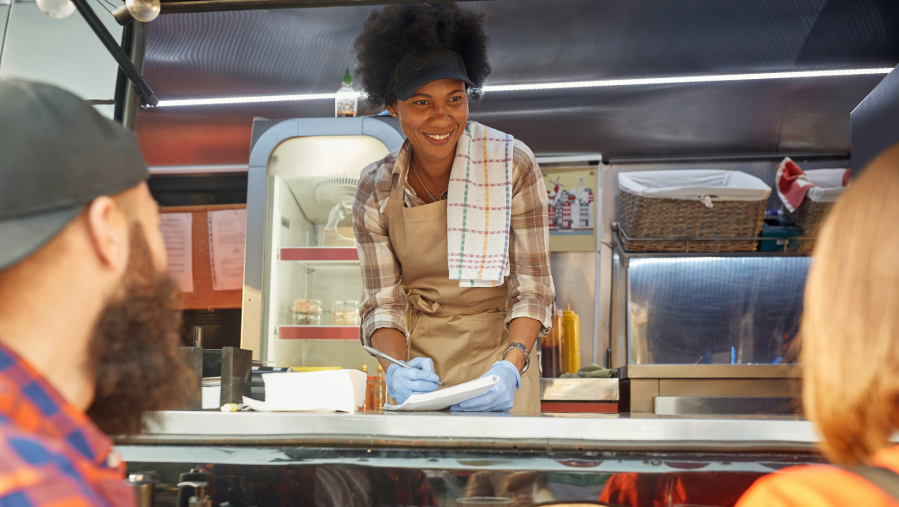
(176, 232)
(572, 208)
(227, 239)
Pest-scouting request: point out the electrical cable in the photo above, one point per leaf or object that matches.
(105, 8)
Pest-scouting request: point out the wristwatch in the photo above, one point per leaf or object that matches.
(521, 347)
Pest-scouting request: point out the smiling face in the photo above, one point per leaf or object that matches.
(433, 119)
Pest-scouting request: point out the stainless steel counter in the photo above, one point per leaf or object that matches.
(574, 432)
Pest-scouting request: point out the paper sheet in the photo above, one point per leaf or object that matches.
(176, 230)
(318, 391)
(445, 398)
(227, 239)
(212, 397)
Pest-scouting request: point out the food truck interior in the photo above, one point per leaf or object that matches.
(690, 372)
(682, 339)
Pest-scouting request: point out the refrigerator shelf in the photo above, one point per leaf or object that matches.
(318, 332)
(320, 254)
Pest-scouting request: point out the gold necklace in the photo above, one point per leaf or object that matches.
(420, 181)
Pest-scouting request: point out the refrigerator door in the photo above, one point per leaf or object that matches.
(302, 280)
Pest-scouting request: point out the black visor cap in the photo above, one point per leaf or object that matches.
(419, 69)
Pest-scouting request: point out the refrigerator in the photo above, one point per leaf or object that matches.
(302, 280)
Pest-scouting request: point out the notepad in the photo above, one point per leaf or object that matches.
(320, 391)
(445, 398)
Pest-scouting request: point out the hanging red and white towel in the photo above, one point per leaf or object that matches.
(820, 185)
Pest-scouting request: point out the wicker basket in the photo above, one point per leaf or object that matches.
(809, 217)
(647, 217)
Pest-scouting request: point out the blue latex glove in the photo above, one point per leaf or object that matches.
(500, 397)
(404, 382)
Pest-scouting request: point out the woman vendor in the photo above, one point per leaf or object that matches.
(452, 227)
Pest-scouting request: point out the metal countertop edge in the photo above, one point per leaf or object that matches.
(560, 445)
(479, 431)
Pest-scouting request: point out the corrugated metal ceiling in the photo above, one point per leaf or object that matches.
(306, 51)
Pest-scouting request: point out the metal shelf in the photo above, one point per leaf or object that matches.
(318, 332)
(619, 247)
(319, 254)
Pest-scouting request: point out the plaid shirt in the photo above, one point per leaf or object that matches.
(384, 304)
(50, 452)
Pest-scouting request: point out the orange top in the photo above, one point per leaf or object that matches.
(821, 486)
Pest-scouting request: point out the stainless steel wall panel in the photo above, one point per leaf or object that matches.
(874, 123)
(715, 310)
(698, 405)
(712, 371)
(638, 395)
(814, 113)
(789, 388)
(574, 276)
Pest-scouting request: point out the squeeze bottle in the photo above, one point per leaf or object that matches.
(571, 333)
(552, 357)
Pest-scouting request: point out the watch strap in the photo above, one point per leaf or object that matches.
(527, 354)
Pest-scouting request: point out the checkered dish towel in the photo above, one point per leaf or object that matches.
(479, 207)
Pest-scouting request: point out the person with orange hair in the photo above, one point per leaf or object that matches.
(850, 341)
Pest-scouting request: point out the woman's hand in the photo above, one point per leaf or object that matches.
(500, 397)
(404, 382)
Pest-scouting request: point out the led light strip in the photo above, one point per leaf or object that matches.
(246, 100)
(554, 86)
(686, 79)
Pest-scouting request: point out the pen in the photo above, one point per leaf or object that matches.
(380, 355)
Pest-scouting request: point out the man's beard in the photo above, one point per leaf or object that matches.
(134, 351)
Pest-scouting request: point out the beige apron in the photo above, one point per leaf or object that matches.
(460, 328)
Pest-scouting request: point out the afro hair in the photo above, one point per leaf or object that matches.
(397, 31)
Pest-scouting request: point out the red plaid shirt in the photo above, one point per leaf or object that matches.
(51, 454)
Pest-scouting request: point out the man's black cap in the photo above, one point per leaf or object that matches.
(419, 69)
(56, 154)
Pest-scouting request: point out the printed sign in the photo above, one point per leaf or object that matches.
(571, 211)
(572, 208)
(227, 238)
(176, 232)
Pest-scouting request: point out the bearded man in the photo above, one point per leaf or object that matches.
(88, 326)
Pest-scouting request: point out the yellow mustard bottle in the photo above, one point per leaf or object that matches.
(571, 336)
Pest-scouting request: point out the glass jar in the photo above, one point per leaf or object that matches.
(345, 312)
(307, 312)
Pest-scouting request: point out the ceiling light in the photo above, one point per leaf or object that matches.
(246, 100)
(685, 79)
(56, 8)
(558, 86)
(137, 10)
